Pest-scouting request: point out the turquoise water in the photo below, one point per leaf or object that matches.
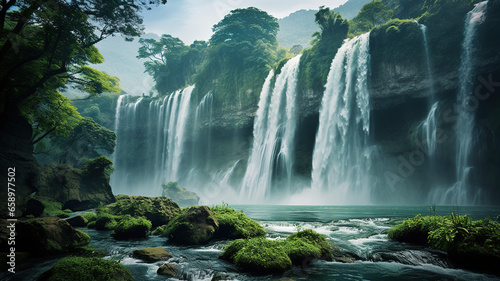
(359, 231)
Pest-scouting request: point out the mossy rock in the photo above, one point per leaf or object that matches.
(274, 256)
(167, 270)
(469, 244)
(152, 254)
(77, 221)
(234, 224)
(158, 210)
(258, 255)
(193, 226)
(53, 236)
(179, 194)
(307, 245)
(131, 228)
(102, 221)
(84, 269)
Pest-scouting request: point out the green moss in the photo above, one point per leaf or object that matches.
(83, 239)
(129, 228)
(473, 244)
(262, 256)
(160, 231)
(84, 269)
(234, 224)
(52, 208)
(102, 221)
(307, 244)
(268, 256)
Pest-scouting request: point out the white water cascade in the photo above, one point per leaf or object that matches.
(155, 131)
(272, 157)
(462, 193)
(341, 157)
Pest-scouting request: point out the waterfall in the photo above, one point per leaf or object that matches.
(150, 142)
(462, 193)
(423, 28)
(341, 156)
(272, 157)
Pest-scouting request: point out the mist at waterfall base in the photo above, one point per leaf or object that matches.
(170, 139)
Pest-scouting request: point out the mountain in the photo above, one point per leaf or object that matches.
(297, 28)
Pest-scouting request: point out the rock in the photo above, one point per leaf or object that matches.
(130, 228)
(87, 268)
(78, 221)
(158, 210)
(221, 276)
(151, 254)
(182, 196)
(46, 236)
(258, 255)
(167, 270)
(34, 207)
(193, 226)
(74, 188)
(235, 225)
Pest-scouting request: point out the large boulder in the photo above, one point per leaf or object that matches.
(193, 226)
(158, 210)
(76, 189)
(131, 228)
(83, 268)
(182, 196)
(167, 270)
(152, 254)
(46, 236)
(77, 221)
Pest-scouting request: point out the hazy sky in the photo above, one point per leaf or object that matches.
(193, 19)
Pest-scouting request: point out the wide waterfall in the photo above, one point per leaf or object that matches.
(462, 193)
(150, 142)
(341, 153)
(272, 157)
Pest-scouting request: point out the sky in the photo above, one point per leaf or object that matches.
(192, 20)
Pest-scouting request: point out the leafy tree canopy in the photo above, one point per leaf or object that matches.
(46, 46)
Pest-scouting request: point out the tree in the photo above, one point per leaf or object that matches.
(46, 46)
(170, 62)
(240, 54)
(315, 61)
(372, 14)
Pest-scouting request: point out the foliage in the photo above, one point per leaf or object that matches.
(102, 221)
(46, 46)
(475, 243)
(239, 57)
(234, 224)
(85, 141)
(86, 268)
(315, 61)
(98, 166)
(372, 14)
(170, 62)
(130, 227)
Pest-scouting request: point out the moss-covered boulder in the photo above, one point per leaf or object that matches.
(307, 245)
(158, 210)
(258, 255)
(179, 194)
(102, 221)
(77, 221)
(273, 256)
(234, 224)
(152, 254)
(469, 244)
(167, 269)
(131, 228)
(193, 226)
(46, 236)
(84, 269)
